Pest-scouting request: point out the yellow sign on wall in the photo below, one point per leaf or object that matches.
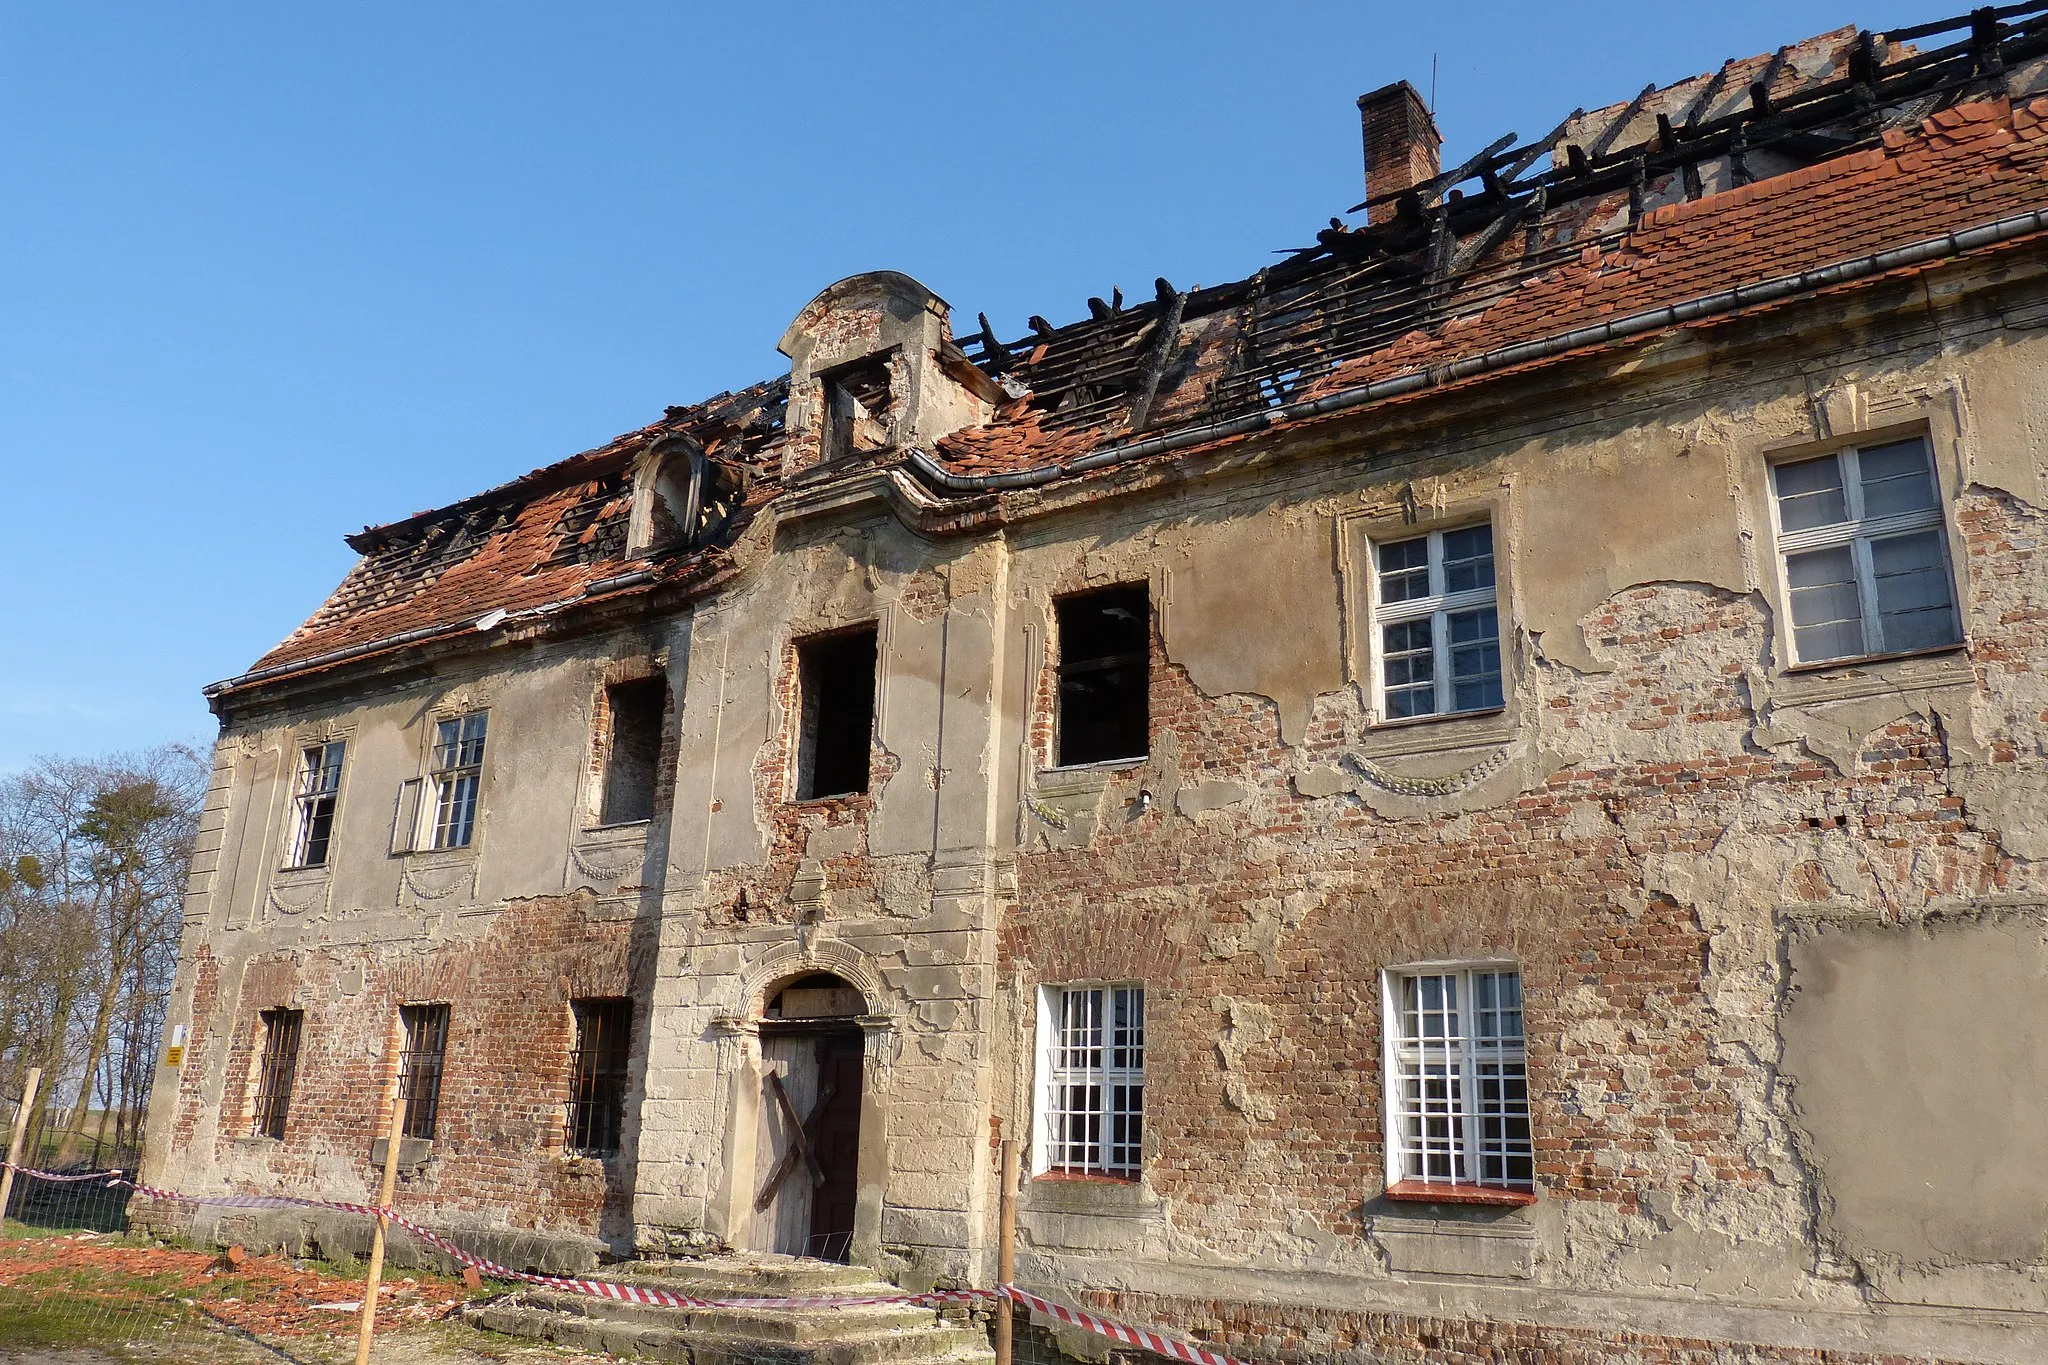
(174, 1055)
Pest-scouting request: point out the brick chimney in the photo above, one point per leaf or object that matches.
(1400, 144)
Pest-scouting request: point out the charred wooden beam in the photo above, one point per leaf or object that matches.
(1171, 304)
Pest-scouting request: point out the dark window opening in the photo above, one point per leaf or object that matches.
(279, 1065)
(419, 1067)
(597, 1080)
(1105, 675)
(633, 760)
(857, 403)
(836, 696)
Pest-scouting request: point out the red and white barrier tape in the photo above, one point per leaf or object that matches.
(1142, 1337)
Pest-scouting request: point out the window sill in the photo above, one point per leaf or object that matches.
(1867, 660)
(1100, 765)
(1435, 717)
(1436, 1192)
(304, 872)
(1086, 1178)
(845, 799)
(622, 830)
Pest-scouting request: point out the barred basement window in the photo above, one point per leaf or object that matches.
(1105, 675)
(1437, 624)
(1865, 554)
(277, 1067)
(597, 1081)
(1457, 1082)
(1091, 1056)
(419, 1067)
(633, 756)
(457, 773)
(318, 790)
(836, 703)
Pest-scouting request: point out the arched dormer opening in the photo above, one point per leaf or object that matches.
(681, 497)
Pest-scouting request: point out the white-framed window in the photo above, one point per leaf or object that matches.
(1457, 1078)
(315, 796)
(1091, 1092)
(1436, 624)
(457, 772)
(1864, 553)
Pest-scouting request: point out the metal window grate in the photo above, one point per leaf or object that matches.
(419, 1067)
(458, 772)
(1460, 1093)
(276, 1069)
(597, 1077)
(318, 791)
(1095, 1081)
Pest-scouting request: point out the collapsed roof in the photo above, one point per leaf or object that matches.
(1828, 152)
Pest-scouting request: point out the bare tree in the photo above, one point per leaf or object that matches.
(92, 864)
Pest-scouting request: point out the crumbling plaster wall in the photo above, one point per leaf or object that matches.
(541, 908)
(891, 888)
(1658, 797)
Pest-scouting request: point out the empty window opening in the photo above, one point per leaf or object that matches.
(276, 1070)
(836, 699)
(1092, 1056)
(1105, 675)
(633, 753)
(318, 791)
(1458, 1098)
(597, 1079)
(857, 405)
(1865, 554)
(419, 1067)
(1438, 624)
(457, 775)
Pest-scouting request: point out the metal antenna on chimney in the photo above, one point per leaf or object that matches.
(1432, 86)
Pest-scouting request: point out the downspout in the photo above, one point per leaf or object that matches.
(1505, 357)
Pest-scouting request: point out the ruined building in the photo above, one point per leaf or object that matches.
(1478, 790)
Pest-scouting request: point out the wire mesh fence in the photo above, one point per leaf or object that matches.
(82, 1270)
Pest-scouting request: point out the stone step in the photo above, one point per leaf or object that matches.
(778, 1324)
(684, 1345)
(747, 1275)
(865, 1334)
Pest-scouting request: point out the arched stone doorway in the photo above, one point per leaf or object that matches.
(806, 1186)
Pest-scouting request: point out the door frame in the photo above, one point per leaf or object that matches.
(731, 1215)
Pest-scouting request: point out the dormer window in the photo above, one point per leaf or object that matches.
(680, 497)
(858, 408)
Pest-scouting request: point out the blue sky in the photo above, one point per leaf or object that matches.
(269, 273)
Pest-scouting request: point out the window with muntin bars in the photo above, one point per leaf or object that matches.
(1093, 1094)
(458, 766)
(318, 791)
(1458, 1087)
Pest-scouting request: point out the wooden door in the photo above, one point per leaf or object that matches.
(808, 1164)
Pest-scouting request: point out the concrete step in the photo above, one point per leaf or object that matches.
(867, 1334)
(742, 1274)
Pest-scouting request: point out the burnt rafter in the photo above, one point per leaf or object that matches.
(1462, 239)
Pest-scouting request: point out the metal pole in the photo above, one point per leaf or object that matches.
(394, 1106)
(28, 1099)
(1006, 1248)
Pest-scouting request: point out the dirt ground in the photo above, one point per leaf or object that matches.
(94, 1299)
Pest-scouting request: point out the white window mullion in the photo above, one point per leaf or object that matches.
(1440, 656)
(1866, 589)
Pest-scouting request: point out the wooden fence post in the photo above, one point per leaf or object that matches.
(21, 1112)
(394, 1106)
(1006, 1248)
